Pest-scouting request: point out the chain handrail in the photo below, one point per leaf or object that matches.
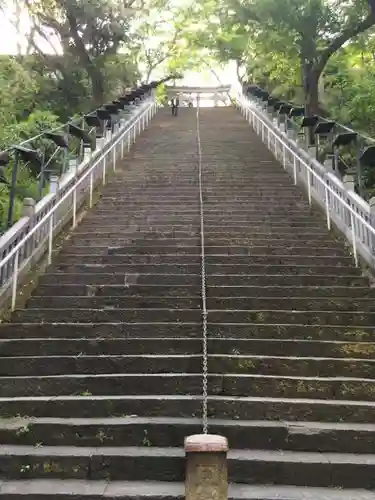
(361, 232)
(48, 224)
(203, 285)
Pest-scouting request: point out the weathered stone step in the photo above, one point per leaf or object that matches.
(126, 291)
(213, 303)
(190, 185)
(256, 198)
(116, 301)
(67, 489)
(168, 464)
(170, 432)
(209, 250)
(136, 278)
(209, 218)
(192, 227)
(182, 345)
(246, 233)
(95, 365)
(159, 490)
(297, 260)
(225, 407)
(223, 269)
(111, 315)
(92, 330)
(245, 317)
(102, 210)
(298, 292)
(117, 346)
(21, 366)
(342, 388)
(261, 303)
(280, 317)
(152, 243)
(100, 278)
(291, 366)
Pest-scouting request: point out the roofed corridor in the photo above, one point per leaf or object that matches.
(101, 374)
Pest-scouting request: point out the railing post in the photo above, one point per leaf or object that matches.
(91, 189)
(28, 210)
(354, 240)
(104, 168)
(74, 208)
(349, 182)
(372, 222)
(28, 207)
(50, 239)
(54, 184)
(15, 279)
(295, 169)
(206, 467)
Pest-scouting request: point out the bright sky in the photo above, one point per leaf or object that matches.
(10, 39)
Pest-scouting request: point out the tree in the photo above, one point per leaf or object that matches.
(90, 32)
(311, 30)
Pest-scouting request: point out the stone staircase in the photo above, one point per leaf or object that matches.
(101, 374)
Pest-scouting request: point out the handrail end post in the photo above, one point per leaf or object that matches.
(206, 467)
(372, 223)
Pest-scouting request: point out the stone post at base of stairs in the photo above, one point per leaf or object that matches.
(206, 467)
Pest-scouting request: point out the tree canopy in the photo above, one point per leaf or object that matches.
(77, 54)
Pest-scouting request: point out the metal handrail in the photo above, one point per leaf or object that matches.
(324, 188)
(40, 236)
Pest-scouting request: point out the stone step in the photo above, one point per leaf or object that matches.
(213, 303)
(140, 291)
(293, 292)
(182, 345)
(188, 185)
(209, 219)
(244, 317)
(171, 431)
(243, 385)
(118, 258)
(101, 278)
(192, 227)
(254, 241)
(192, 330)
(223, 269)
(179, 237)
(111, 315)
(301, 251)
(103, 211)
(159, 490)
(168, 464)
(254, 198)
(224, 407)
(22, 366)
(143, 279)
(118, 301)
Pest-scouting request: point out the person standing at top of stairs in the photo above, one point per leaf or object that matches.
(175, 104)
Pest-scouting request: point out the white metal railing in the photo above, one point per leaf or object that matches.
(38, 235)
(349, 212)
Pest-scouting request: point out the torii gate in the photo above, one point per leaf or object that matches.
(219, 93)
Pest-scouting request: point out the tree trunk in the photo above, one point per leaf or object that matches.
(238, 71)
(97, 83)
(148, 76)
(312, 92)
(310, 84)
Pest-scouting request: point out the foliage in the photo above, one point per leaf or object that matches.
(320, 53)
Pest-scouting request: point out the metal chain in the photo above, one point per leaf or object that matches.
(203, 285)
